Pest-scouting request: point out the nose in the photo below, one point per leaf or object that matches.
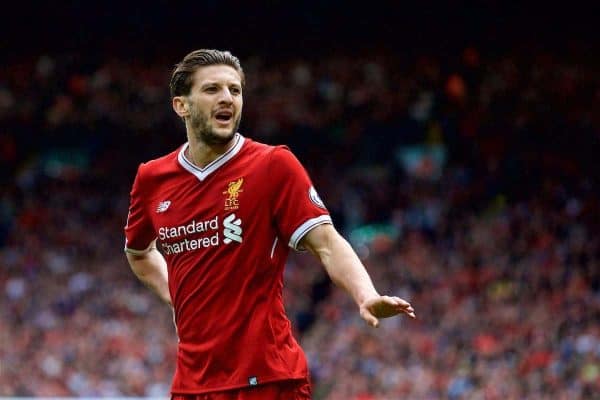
(225, 96)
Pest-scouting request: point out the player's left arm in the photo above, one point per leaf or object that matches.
(347, 271)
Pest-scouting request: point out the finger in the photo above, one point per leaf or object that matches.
(370, 319)
(401, 302)
(396, 301)
(409, 310)
(402, 310)
(399, 305)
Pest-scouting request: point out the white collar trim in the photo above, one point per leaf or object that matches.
(202, 173)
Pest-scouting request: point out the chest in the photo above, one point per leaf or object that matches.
(228, 202)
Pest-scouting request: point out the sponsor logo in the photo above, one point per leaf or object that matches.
(192, 227)
(314, 197)
(232, 229)
(194, 235)
(200, 234)
(233, 191)
(163, 206)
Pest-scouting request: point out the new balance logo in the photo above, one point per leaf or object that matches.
(163, 206)
(232, 229)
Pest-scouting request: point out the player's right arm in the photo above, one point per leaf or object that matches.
(151, 268)
(146, 262)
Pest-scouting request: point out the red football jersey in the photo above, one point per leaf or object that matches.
(225, 231)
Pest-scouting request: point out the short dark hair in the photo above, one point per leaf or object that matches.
(181, 79)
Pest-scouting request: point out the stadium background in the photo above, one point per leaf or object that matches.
(456, 145)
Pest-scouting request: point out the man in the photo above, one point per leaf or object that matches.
(225, 210)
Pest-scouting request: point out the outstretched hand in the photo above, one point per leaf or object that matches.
(384, 307)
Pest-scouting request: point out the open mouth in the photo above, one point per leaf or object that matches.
(224, 116)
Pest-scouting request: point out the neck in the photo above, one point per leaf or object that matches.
(202, 154)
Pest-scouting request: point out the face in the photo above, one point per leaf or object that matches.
(214, 105)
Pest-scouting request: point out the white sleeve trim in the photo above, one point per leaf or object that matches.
(135, 252)
(306, 227)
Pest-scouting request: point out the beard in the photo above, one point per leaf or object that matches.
(203, 131)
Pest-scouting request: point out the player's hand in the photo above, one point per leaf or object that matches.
(384, 307)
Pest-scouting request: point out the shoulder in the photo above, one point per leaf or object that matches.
(272, 155)
(154, 173)
(282, 157)
(270, 150)
(255, 148)
(157, 167)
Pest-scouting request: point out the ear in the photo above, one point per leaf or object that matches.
(180, 106)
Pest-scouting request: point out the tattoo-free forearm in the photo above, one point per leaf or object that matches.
(341, 262)
(151, 269)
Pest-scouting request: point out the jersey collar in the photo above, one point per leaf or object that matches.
(202, 173)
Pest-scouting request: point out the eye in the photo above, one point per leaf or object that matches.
(235, 90)
(211, 89)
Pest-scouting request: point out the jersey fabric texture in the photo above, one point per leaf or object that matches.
(225, 231)
(298, 389)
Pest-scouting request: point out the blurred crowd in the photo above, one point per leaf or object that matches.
(495, 243)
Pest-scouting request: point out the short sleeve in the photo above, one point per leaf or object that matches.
(139, 232)
(297, 207)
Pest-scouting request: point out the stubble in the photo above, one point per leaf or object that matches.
(203, 131)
